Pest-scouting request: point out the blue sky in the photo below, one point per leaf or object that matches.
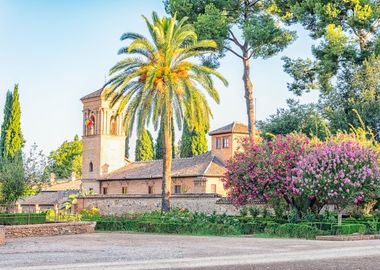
(59, 51)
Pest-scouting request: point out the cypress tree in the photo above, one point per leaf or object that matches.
(127, 147)
(193, 142)
(14, 139)
(7, 116)
(144, 146)
(158, 153)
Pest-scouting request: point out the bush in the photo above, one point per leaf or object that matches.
(22, 218)
(254, 211)
(297, 231)
(349, 229)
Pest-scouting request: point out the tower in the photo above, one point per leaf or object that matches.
(227, 140)
(103, 139)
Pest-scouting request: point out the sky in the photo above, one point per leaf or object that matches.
(59, 51)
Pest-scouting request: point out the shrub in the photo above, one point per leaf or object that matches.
(254, 211)
(349, 229)
(338, 173)
(297, 231)
(22, 218)
(263, 170)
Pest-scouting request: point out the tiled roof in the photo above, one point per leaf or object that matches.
(47, 198)
(97, 93)
(201, 165)
(234, 127)
(66, 184)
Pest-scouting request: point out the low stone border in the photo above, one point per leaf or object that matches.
(49, 229)
(2, 235)
(348, 237)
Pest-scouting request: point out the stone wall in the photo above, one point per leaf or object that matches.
(2, 235)
(122, 204)
(49, 229)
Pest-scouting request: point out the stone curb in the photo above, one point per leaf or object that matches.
(2, 235)
(348, 237)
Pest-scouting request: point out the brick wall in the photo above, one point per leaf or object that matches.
(122, 204)
(2, 235)
(49, 229)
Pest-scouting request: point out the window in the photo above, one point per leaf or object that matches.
(213, 188)
(91, 167)
(225, 142)
(218, 143)
(105, 190)
(177, 189)
(150, 190)
(124, 190)
(113, 125)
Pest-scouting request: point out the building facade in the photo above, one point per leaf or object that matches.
(106, 171)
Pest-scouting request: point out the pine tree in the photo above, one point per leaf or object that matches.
(7, 116)
(193, 142)
(14, 139)
(158, 154)
(144, 146)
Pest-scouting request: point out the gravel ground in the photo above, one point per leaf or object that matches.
(151, 251)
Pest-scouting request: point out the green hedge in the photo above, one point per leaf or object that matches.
(350, 229)
(22, 218)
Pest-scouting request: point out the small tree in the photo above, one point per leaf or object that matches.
(263, 171)
(158, 147)
(35, 163)
(144, 146)
(342, 174)
(12, 180)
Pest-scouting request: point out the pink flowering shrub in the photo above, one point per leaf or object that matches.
(263, 171)
(342, 173)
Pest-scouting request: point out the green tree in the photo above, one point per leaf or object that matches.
(144, 146)
(13, 138)
(347, 34)
(67, 159)
(163, 83)
(303, 118)
(246, 28)
(12, 180)
(193, 142)
(158, 147)
(4, 126)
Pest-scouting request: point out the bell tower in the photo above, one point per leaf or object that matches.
(103, 140)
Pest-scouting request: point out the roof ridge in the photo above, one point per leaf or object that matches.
(180, 158)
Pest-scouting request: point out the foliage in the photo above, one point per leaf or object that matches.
(144, 146)
(22, 218)
(12, 140)
(350, 229)
(346, 66)
(158, 146)
(71, 200)
(264, 171)
(5, 124)
(12, 179)
(247, 29)
(35, 163)
(127, 147)
(297, 117)
(338, 173)
(90, 213)
(67, 159)
(193, 142)
(159, 82)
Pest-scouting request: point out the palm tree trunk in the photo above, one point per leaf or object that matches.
(249, 98)
(167, 161)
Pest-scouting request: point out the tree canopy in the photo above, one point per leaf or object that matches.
(246, 28)
(193, 142)
(67, 159)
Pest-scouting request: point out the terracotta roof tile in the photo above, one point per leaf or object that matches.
(181, 167)
(66, 184)
(234, 127)
(97, 93)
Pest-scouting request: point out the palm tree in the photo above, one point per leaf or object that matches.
(160, 80)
